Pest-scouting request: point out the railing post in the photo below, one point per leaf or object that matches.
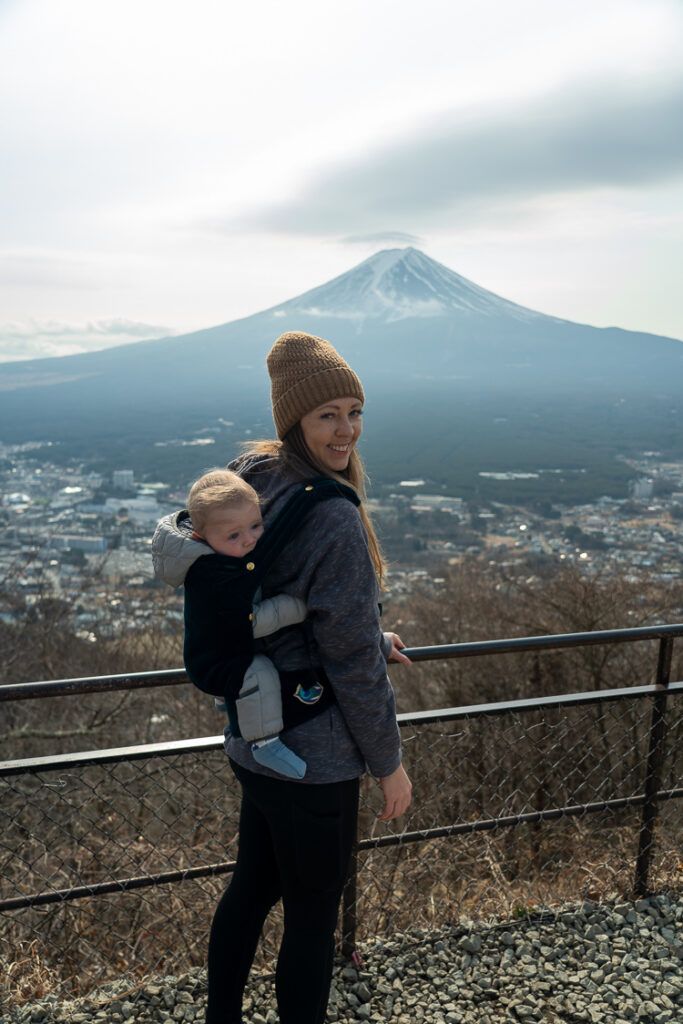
(655, 761)
(349, 916)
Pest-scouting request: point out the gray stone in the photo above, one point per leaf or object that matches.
(593, 965)
(363, 992)
(471, 943)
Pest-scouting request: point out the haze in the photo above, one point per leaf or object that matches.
(167, 167)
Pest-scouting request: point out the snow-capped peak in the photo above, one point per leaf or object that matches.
(398, 283)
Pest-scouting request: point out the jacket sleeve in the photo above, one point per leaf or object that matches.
(344, 617)
(386, 645)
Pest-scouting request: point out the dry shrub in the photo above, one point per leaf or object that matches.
(94, 824)
(28, 975)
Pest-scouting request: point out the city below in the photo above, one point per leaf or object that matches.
(84, 538)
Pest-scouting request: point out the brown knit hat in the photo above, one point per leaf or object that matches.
(306, 372)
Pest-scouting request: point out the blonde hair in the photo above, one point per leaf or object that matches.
(295, 454)
(217, 489)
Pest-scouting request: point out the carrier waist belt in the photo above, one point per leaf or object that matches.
(305, 694)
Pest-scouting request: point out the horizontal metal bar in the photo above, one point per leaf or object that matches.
(144, 751)
(561, 700)
(670, 794)
(92, 684)
(80, 892)
(539, 643)
(111, 756)
(172, 677)
(512, 820)
(226, 867)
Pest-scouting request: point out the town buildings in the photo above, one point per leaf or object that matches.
(84, 538)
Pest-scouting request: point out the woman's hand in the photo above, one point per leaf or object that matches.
(397, 646)
(397, 789)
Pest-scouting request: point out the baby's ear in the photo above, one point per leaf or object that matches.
(196, 536)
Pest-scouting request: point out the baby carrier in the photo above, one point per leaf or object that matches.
(219, 596)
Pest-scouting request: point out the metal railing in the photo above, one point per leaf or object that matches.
(106, 818)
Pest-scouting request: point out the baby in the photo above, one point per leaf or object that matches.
(206, 548)
(225, 514)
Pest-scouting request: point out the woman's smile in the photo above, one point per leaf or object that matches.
(332, 430)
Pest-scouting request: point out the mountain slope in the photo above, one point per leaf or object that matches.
(427, 343)
(394, 303)
(400, 283)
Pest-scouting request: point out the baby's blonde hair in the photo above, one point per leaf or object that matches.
(217, 489)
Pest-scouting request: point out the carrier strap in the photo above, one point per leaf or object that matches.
(290, 519)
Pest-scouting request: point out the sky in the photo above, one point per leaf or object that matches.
(169, 166)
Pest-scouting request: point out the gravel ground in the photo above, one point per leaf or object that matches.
(601, 963)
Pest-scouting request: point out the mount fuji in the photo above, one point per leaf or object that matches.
(399, 284)
(427, 342)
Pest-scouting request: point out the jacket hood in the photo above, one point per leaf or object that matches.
(174, 550)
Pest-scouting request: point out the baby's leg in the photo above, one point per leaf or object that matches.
(277, 612)
(259, 704)
(259, 714)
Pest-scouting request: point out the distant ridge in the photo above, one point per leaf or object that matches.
(390, 294)
(455, 376)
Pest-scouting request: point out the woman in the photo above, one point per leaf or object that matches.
(296, 837)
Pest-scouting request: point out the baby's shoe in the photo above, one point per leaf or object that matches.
(272, 753)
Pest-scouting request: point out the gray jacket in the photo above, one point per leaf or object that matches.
(174, 549)
(328, 565)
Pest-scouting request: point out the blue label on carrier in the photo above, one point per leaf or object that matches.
(310, 695)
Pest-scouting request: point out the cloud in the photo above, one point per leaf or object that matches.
(572, 141)
(383, 237)
(45, 269)
(35, 339)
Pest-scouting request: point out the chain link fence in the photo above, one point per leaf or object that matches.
(543, 807)
(111, 861)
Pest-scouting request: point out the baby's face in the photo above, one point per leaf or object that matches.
(234, 531)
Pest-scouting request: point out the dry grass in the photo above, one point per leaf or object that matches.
(105, 822)
(476, 879)
(27, 976)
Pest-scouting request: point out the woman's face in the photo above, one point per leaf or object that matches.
(332, 430)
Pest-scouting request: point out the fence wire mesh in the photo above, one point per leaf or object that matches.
(127, 823)
(103, 823)
(484, 776)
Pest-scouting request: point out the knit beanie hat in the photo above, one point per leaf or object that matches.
(305, 372)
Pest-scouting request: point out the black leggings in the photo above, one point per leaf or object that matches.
(295, 842)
